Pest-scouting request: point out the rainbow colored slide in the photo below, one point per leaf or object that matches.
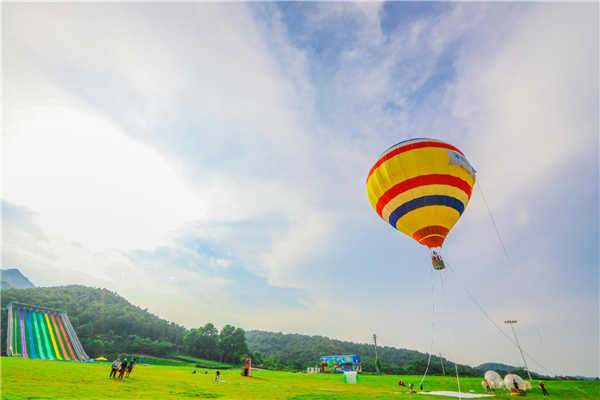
(42, 333)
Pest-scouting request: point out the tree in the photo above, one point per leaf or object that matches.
(257, 358)
(202, 342)
(232, 344)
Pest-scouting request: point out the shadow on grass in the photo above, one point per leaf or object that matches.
(257, 378)
(318, 397)
(198, 394)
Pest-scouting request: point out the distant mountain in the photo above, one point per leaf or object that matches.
(586, 378)
(12, 278)
(496, 367)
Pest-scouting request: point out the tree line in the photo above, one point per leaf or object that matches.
(295, 351)
(207, 342)
(108, 325)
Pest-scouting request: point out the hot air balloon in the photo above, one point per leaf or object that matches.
(421, 187)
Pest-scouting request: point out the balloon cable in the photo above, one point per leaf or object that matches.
(443, 294)
(508, 259)
(432, 329)
(487, 316)
(457, 380)
(454, 339)
(493, 221)
(442, 287)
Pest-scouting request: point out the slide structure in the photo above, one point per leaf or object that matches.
(42, 333)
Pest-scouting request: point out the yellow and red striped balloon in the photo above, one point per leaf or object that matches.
(421, 187)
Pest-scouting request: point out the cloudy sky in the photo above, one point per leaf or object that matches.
(208, 162)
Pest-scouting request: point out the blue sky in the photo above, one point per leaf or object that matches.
(208, 162)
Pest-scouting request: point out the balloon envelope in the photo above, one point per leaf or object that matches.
(512, 382)
(494, 379)
(421, 187)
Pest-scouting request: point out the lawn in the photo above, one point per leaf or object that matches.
(202, 362)
(40, 379)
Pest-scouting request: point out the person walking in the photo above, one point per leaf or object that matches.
(130, 367)
(543, 387)
(486, 385)
(123, 368)
(115, 367)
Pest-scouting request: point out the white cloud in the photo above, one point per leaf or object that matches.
(527, 104)
(50, 260)
(88, 181)
(220, 262)
(232, 142)
(530, 104)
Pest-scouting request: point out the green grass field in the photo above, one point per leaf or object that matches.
(203, 363)
(39, 379)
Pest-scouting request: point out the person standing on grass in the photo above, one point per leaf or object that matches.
(486, 385)
(543, 387)
(115, 367)
(217, 376)
(123, 368)
(130, 367)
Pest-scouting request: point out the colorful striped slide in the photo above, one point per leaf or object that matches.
(42, 333)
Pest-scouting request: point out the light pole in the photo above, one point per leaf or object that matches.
(512, 322)
(376, 358)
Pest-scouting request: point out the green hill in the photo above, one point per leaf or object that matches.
(301, 351)
(496, 367)
(106, 323)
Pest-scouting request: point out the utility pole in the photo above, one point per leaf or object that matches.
(376, 358)
(512, 322)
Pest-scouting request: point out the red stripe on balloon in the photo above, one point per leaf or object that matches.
(421, 180)
(433, 241)
(409, 147)
(430, 231)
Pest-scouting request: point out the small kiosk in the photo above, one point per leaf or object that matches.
(339, 364)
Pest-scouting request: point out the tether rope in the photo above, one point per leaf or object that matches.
(432, 329)
(487, 316)
(443, 292)
(508, 259)
(442, 286)
(493, 221)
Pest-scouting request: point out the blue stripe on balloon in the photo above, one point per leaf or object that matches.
(435, 200)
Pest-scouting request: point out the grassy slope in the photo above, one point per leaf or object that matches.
(203, 363)
(144, 359)
(178, 360)
(37, 379)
